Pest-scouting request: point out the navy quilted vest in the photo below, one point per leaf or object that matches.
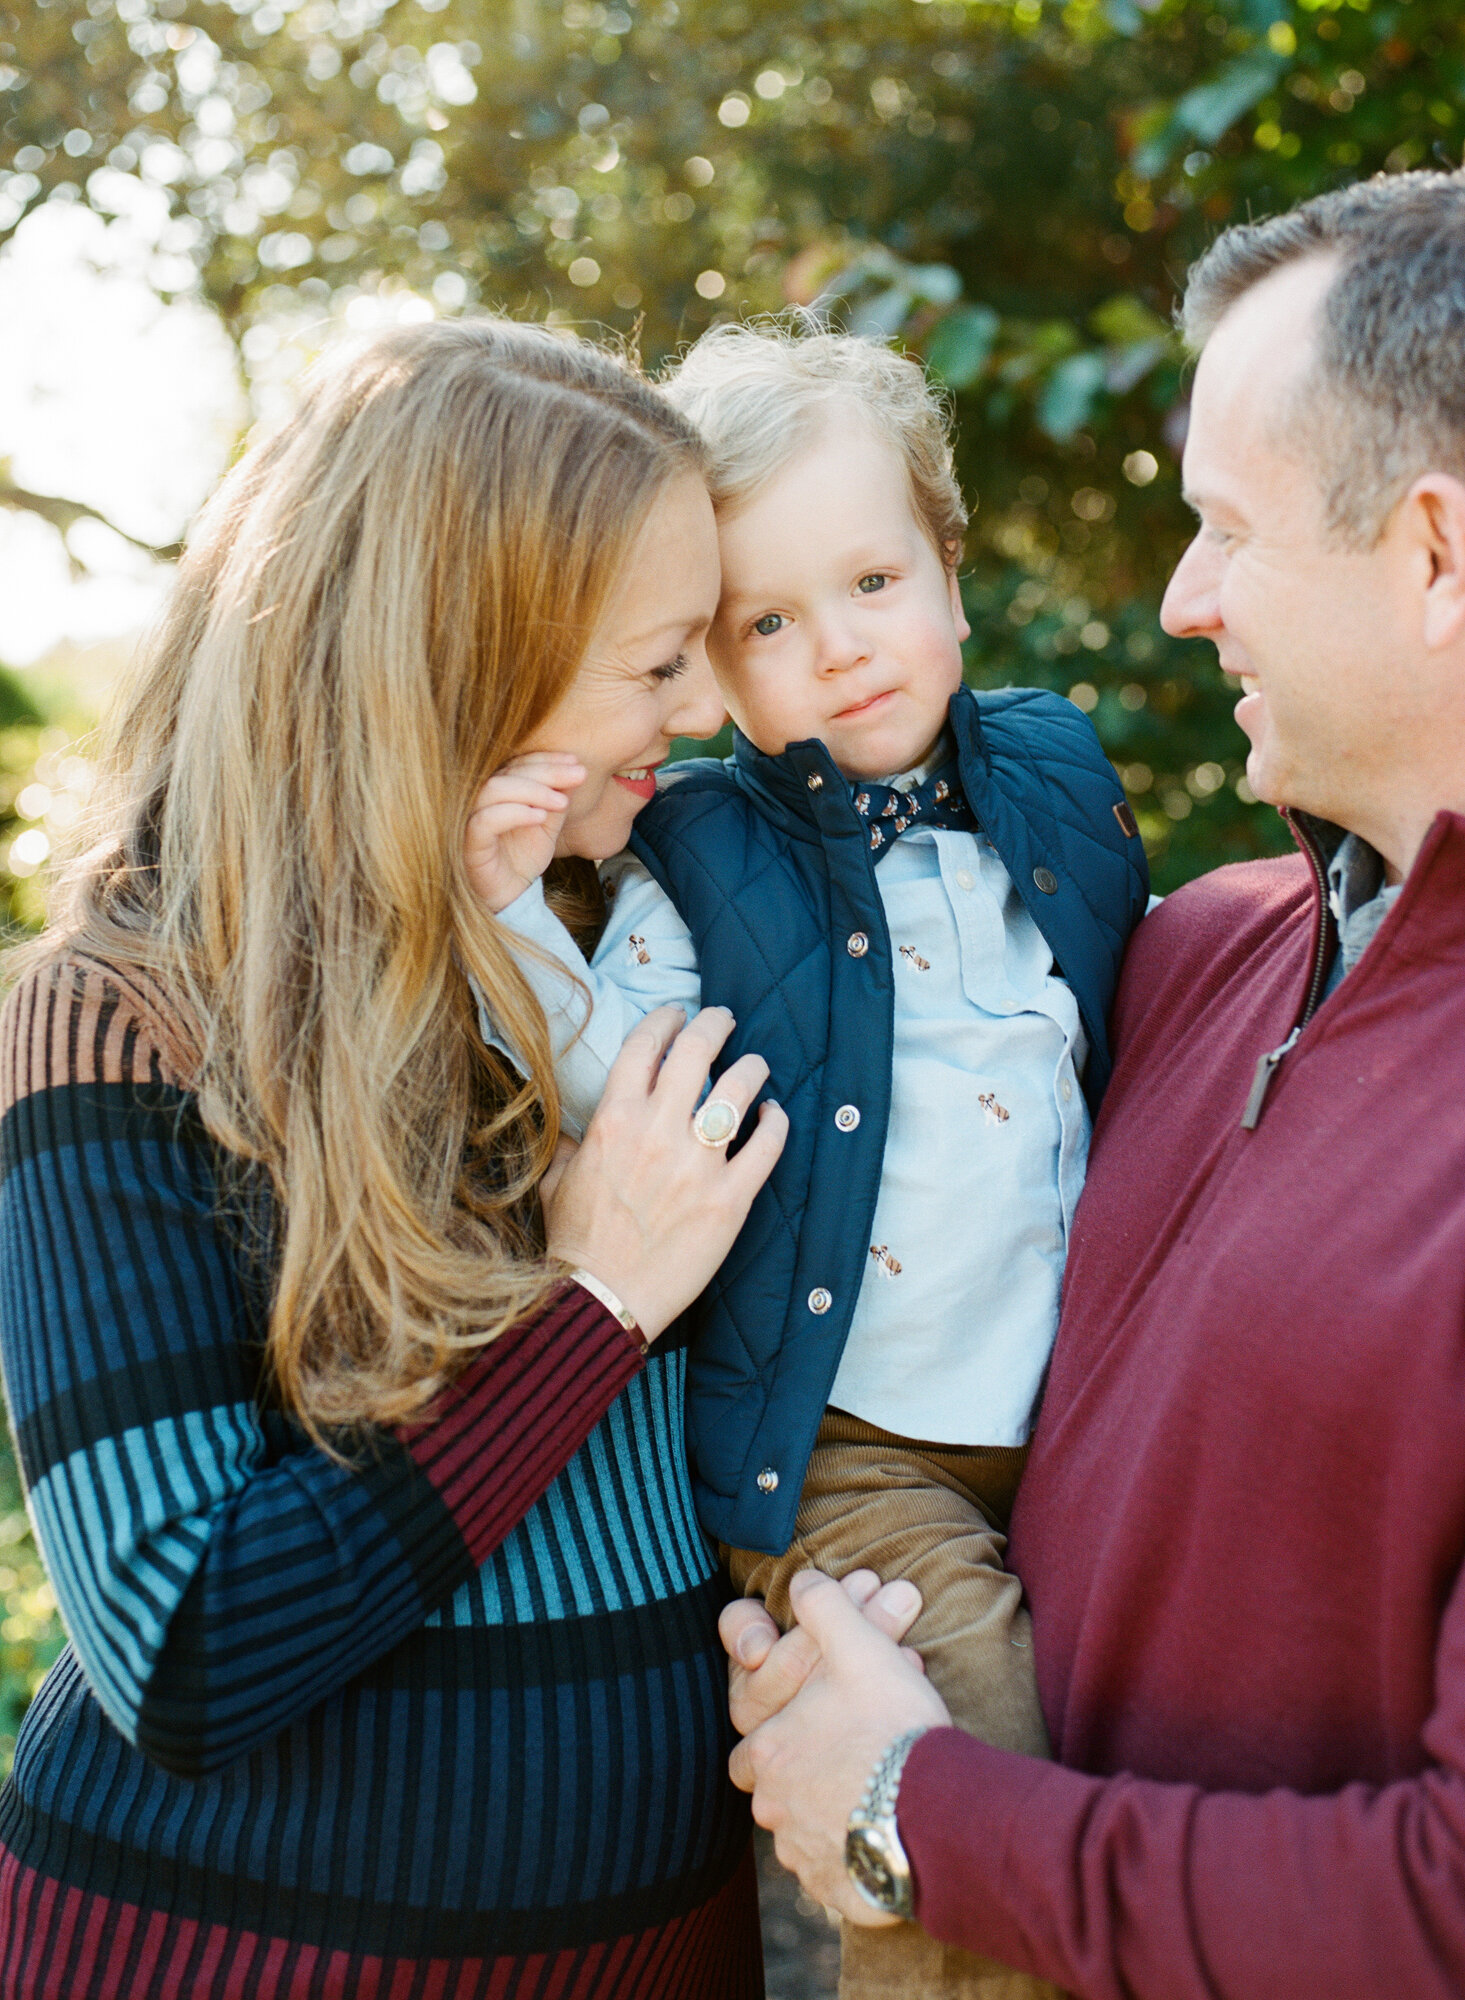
(769, 864)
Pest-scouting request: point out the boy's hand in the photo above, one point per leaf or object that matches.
(515, 823)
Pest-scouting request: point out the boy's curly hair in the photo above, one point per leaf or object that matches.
(757, 392)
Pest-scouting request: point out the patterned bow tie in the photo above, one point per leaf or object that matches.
(940, 801)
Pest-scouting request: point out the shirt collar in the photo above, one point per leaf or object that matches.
(804, 790)
(941, 752)
(1359, 896)
(1355, 876)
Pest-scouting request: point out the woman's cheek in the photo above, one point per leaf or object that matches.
(601, 825)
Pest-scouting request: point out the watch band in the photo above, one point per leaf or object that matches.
(616, 1307)
(873, 1855)
(884, 1786)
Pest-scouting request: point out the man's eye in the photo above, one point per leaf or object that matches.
(672, 668)
(876, 581)
(768, 624)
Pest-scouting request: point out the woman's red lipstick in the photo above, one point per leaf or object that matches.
(641, 781)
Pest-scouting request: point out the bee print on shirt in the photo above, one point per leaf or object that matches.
(913, 957)
(998, 1113)
(889, 1266)
(636, 946)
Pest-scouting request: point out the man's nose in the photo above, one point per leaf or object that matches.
(1191, 605)
(699, 709)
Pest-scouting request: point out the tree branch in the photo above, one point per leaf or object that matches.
(64, 514)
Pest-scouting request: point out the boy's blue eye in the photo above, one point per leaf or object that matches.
(877, 580)
(672, 668)
(768, 624)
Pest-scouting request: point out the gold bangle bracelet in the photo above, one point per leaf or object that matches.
(614, 1306)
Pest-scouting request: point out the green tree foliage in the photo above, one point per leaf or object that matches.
(30, 1632)
(20, 723)
(1013, 188)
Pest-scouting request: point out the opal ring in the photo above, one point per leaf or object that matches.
(716, 1123)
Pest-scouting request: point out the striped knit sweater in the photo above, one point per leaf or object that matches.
(447, 1719)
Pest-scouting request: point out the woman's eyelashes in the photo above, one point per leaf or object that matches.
(669, 670)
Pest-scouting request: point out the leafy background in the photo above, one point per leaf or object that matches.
(1011, 188)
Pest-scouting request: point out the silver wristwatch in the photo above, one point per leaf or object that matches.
(873, 1854)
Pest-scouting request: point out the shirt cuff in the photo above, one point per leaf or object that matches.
(528, 911)
(556, 980)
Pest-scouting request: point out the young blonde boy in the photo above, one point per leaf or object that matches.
(882, 883)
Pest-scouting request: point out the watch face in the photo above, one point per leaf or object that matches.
(878, 1868)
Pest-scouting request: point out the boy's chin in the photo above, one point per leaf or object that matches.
(863, 757)
(885, 758)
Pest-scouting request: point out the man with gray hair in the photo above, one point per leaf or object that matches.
(1242, 1529)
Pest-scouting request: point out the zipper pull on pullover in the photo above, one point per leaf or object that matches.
(1266, 1068)
(1267, 1065)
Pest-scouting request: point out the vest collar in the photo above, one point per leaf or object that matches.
(804, 790)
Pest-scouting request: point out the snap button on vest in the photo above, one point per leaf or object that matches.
(819, 1300)
(847, 1117)
(768, 1480)
(857, 944)
(815, 784)
(1046, 880)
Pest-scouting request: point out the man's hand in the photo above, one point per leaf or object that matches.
(807, 1763)
(515, 823)
(766, 1671)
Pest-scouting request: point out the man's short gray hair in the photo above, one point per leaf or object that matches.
(1386, 399)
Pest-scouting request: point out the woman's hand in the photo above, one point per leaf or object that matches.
(515, 823)
(644, 1206)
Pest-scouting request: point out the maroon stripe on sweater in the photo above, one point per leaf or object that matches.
(59, 1943)
(519, 1412)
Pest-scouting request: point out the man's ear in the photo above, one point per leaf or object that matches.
(958, 609)
(1435, 508)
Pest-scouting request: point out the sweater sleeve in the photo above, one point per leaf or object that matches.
(1118, 1886)
(219, 1575)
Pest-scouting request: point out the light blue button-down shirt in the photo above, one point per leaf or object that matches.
(988, 1135)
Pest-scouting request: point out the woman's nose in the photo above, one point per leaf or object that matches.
(699, 709)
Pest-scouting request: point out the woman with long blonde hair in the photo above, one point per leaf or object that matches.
(352, 1451)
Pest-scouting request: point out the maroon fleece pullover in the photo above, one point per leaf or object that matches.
(1243, 1525)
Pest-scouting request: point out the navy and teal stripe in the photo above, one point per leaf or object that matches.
(454, 1703)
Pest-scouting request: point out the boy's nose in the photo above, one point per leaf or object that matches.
(839, 646)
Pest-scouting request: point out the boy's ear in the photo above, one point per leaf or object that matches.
(958, 609)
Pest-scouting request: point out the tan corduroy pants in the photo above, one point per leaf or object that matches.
(929, 1512)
